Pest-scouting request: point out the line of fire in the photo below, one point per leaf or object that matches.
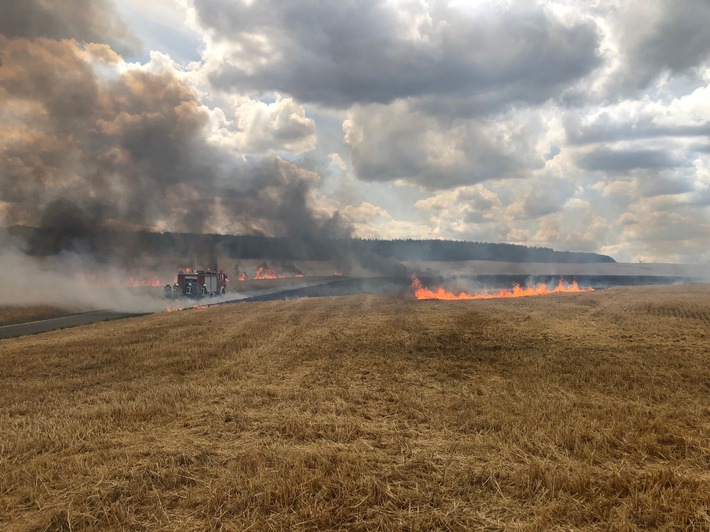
(247, 280)
(294, 283)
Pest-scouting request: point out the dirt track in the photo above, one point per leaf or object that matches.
(279, 291)
(34, 327)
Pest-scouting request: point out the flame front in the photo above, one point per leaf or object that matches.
(421, 292)
(105, 280)
(149, 281)
(264, 272)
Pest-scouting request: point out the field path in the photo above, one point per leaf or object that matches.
(35, 327)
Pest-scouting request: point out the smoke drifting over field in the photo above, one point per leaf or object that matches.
(71, 281)
(89, 142)
(129, 150)
(267, 127)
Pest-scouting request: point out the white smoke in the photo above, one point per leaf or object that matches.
(72, 281)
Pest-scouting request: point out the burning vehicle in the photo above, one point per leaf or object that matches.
(197, 284)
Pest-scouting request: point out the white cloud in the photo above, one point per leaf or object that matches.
(575, 226)
(570, 124)
(337, 160)
(371, 221)
(252, 126)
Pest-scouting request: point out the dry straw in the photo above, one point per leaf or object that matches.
(366, 413)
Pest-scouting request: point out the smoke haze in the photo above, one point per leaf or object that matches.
(582, 128)
(89, 143)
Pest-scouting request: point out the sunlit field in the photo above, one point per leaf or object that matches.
(586, 410)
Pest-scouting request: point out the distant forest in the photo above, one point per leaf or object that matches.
(109, 245)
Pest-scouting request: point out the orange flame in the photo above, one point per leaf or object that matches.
(180, 309)
(242, 276)
(115, 279)
(421, 292)
(150, 281)
(264, 272)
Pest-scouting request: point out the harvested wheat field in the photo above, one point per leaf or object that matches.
(366, 412)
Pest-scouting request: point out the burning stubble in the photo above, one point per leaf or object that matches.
(540, 289)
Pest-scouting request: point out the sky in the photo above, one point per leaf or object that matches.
(575, 125)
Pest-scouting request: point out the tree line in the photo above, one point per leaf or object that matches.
(108, 245)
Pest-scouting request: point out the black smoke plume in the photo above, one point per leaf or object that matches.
(129, 152)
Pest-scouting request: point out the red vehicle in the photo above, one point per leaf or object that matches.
(198, 284)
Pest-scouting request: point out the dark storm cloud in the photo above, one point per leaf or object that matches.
(129, 151)
(619, 160)
(339, 53)
(93, 21)
(666, 36)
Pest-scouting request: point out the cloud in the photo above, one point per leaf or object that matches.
(255, 127)
(574, 125)
(541, 196)
(470, 213)
(340, 53)
(576, 227)
(90, 21)
(679, 116)
(655, 38)
(372, 221)
(163, 26)
(337, 160)
(619, 161)
(399, 142)
(662, 229)
(656, 216)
